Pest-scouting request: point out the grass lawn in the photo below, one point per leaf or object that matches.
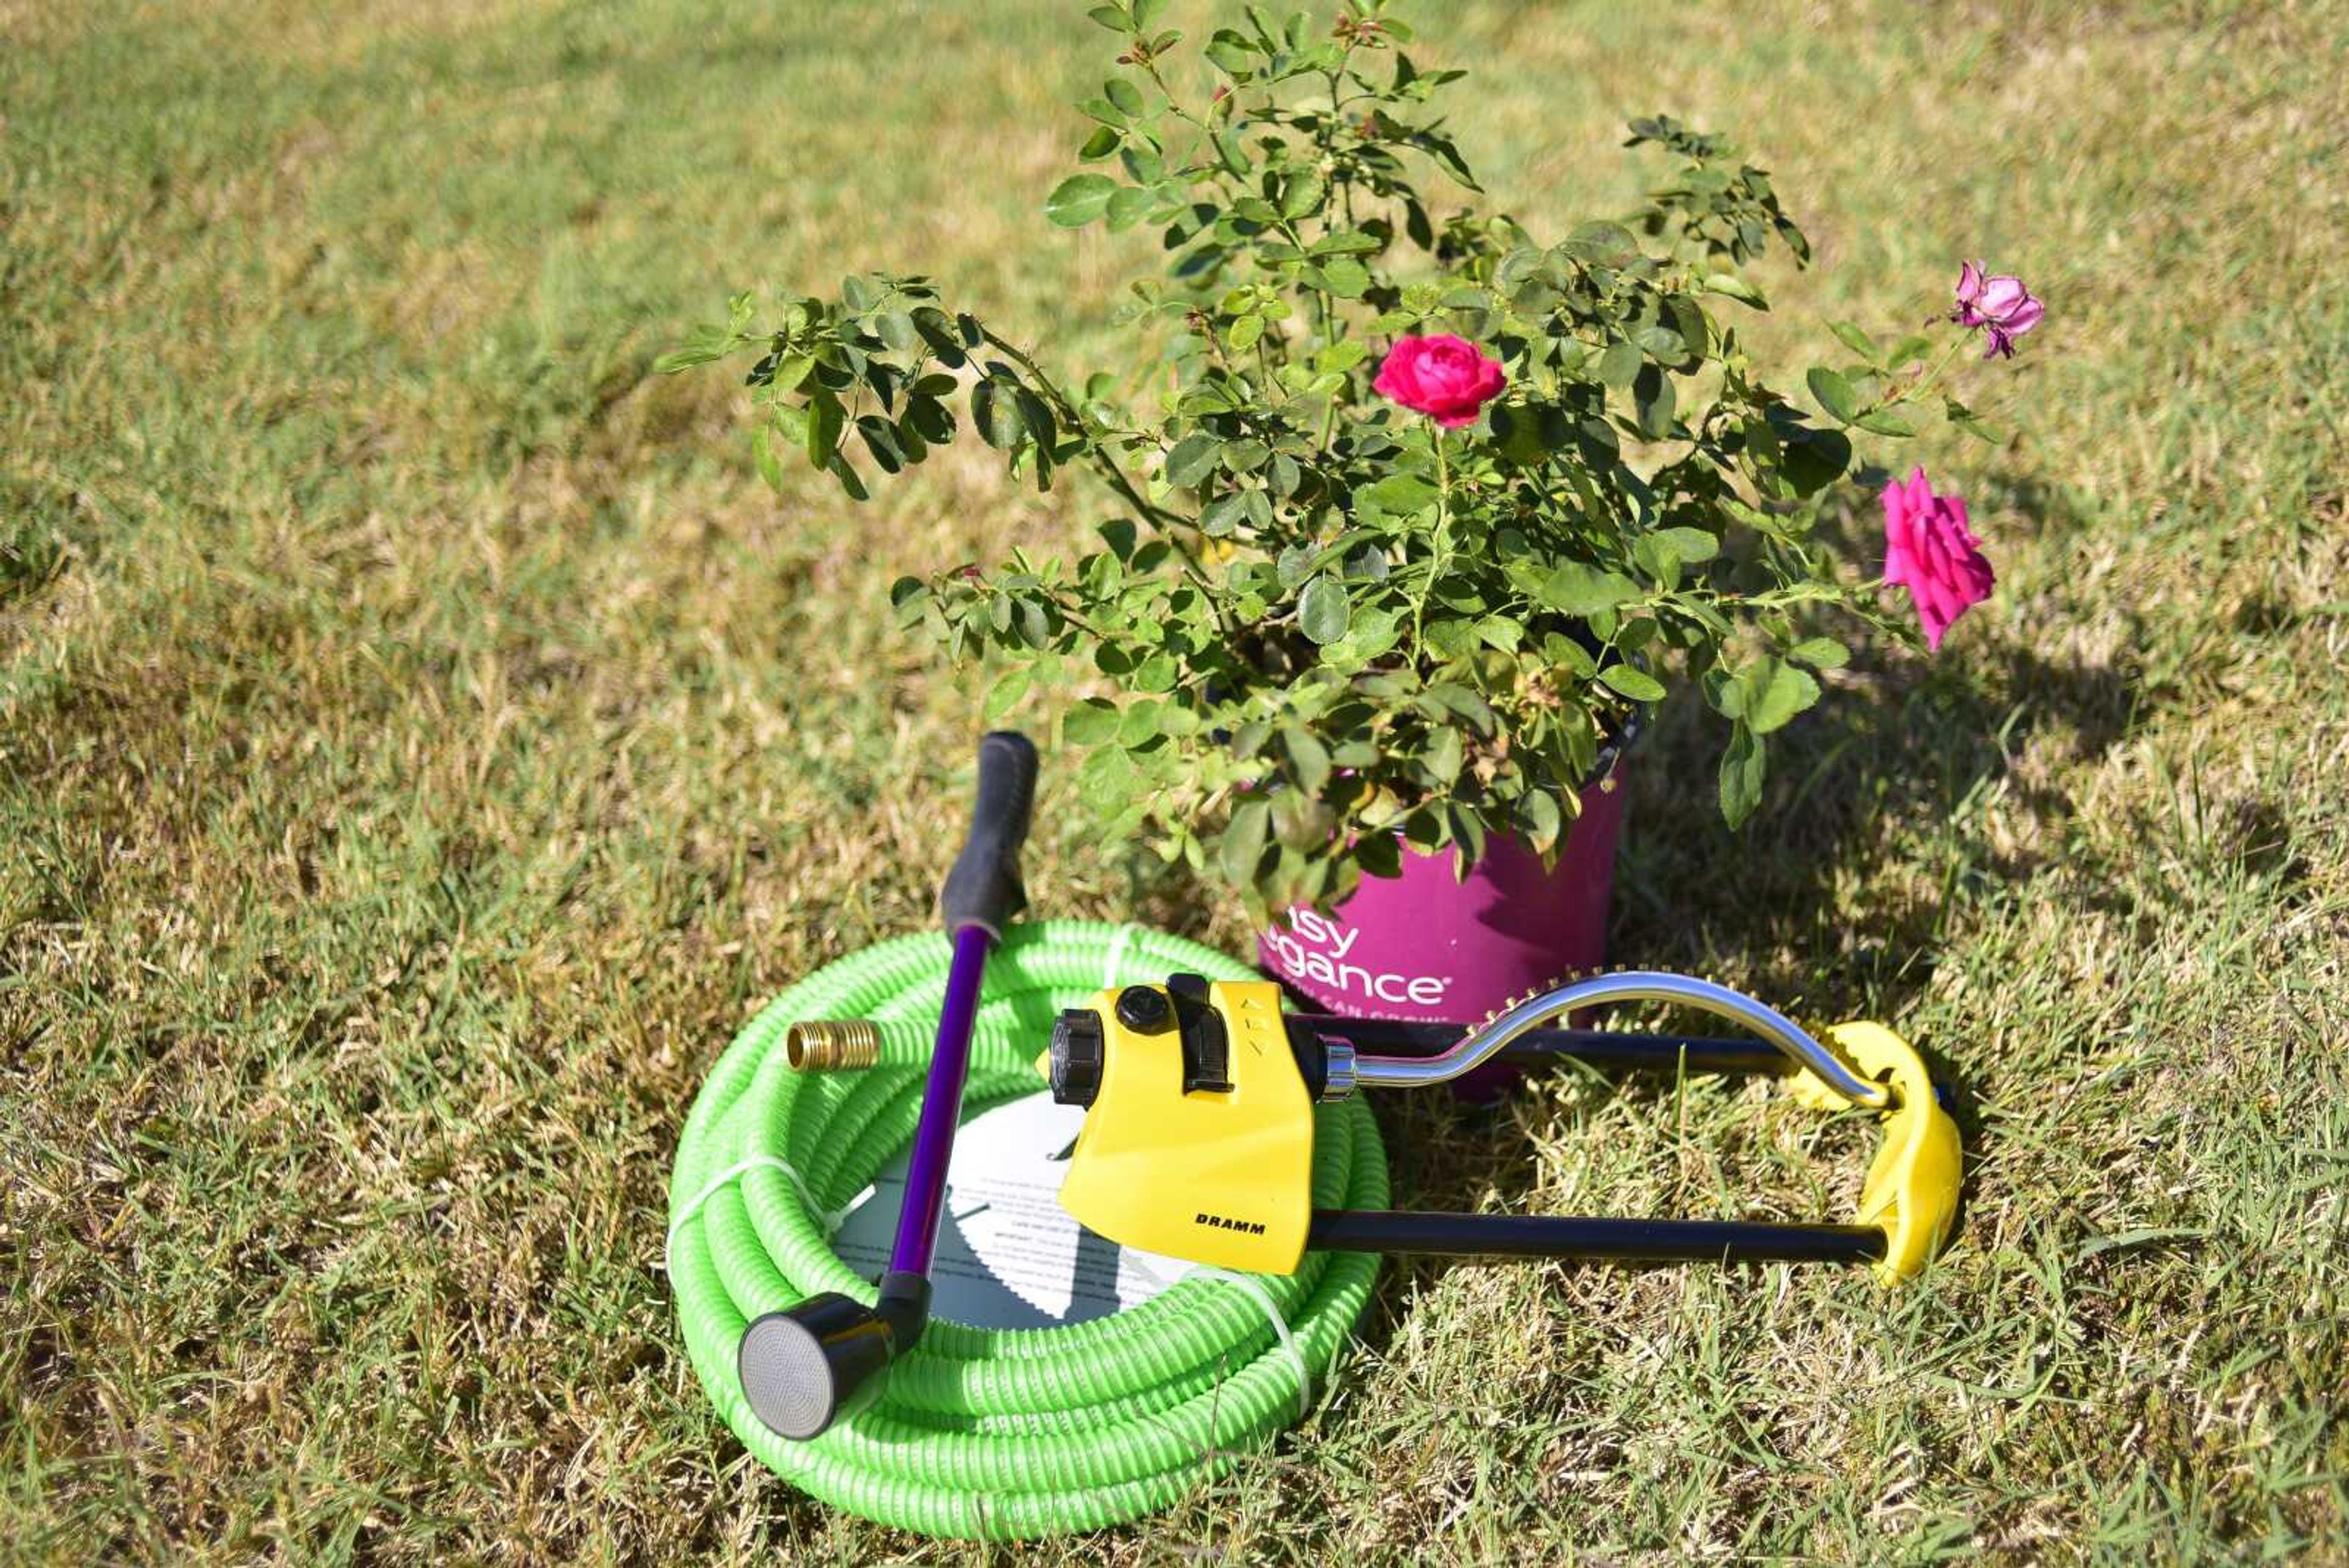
(424, 740)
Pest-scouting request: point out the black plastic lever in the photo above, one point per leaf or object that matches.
(1206, 1043)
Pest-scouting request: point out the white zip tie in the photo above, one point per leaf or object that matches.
(1263, 1298)
(830, 1218)
(1255, 1287)
(1116, 959)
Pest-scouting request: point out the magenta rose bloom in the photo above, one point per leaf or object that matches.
(1444, 378)
(1999, 304)
(1930, 550)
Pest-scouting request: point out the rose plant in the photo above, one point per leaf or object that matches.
(1412, 506)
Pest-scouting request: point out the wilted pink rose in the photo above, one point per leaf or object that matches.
(1930, 550)
(2000, 305)
(1444, 378)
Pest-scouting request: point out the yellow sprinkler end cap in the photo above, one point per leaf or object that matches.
(1912, 1190)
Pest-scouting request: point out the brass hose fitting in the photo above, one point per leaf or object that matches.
(833, 1044)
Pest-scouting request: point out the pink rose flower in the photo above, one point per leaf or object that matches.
(2000, 305)
(1445, 377)
(1930, 550)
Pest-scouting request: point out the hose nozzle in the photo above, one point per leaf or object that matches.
(832, 1044)
(803, 1366)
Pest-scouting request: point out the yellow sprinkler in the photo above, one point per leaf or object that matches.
(1199, 1124)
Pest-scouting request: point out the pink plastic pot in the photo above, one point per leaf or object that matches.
(1428, 947)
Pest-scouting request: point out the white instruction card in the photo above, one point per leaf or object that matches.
(1008, 1255)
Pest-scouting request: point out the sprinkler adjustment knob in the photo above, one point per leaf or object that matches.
(1076, 1056)
(1144, 1008)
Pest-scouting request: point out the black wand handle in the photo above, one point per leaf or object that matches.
(984, 887)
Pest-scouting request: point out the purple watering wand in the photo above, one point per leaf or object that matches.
(800, 1366)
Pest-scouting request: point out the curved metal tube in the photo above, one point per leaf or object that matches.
(1632, 985)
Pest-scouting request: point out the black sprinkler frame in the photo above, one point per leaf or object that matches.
(1572, 1237)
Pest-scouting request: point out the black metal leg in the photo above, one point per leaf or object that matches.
(1627, 1241)
(1648, 1052)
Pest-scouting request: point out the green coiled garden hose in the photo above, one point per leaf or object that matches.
(982, 1433)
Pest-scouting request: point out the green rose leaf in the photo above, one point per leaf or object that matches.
(1458, 700)
(1852, 337)
(1741, 776)
(1633, 683)
(1736, 288)
(1444, 755)
(837, 466)
(1245, 456)
(1090, 723)
(1005, 694)
(1323, 612)
(1124, 94)
(1192, 460)
(1308, 756)
(1539, 813)
(1574, 589)
(1621, 364)
(1140, 725)
(1244, 837)
(1967, 420)
(1816, 459)
(994, 409)
(1398, 498)
(1652, 396)
(1835, 394)
(1106, 781)
(1602, 242)
(1127, 206)
(825, 420)
(1687, 545)
(1770, 692)
(762, 453)
(706, 348)
(1347, 278)
(1223, 516)
(1079, 200)
(1231, 51)
(1159, 673)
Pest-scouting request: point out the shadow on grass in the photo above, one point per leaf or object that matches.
(1833, 889)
